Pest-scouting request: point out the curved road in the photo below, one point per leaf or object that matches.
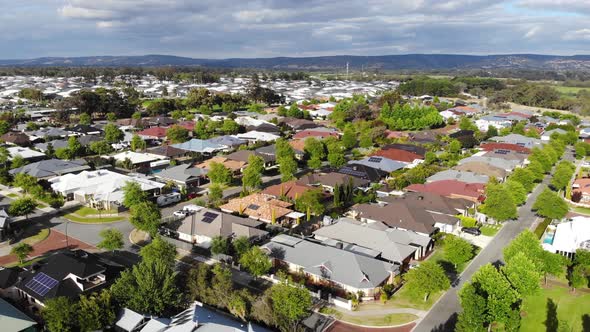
(443, 314)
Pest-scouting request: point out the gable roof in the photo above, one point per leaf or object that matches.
(12, 319)
(258, 206)
(158, 132)
(364, 172)
(181, 173)
(381, 163)
(52, 167)
(291, 189)
(199, 145)
(16, 138)
(452, 174)
(243, 155)
(450, 188)
(166, 151)
(332, 179)
(227, 140)
(491, 146)
(482, 168)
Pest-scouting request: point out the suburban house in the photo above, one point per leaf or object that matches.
(394, 245)
(14, 320)
(101, 188)
(493, 146)
(16, 138)
(202, 226)
(26, 153)
(228, 141)
(142, 162)
(381, 163)
(47, 132)
(244, 155)
(5, 222)
(568, 236)
(258, 136)
(235, 166)
(270, 150)
(66, 273)
(506, 164)
(319, 133)
(83, 130)
(407, 153)
(524, 141)
(199, 146)
(154, 133)
(290, 189)
(50, 168)
(582, 185)
(261, 207)
(473, 192)
(330, 180)
(482, 168)
(351, 272)
(373, 175)
(184, 176)
(547, 135)
(499, 122)
(166, 151)
(451, 174)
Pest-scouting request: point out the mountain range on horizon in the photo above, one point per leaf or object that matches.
(336, 62)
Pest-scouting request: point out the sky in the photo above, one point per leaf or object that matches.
(269, 28)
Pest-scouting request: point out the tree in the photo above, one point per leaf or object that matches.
(287, 168)
(577, 277)
(84, 119)
(111, 117)
(76, 149)
(17, 162)
(310, 202)
(24, 181)
(426, 279)
(241, 245)
(492, 132)
(290, 304)
(159, 249)
(349, 137)
(523, 274)
(4, 127)
(256, 261)
(133, 194)
(314, 148)
(457, 250)
(137, 143)
(466, 124)
(215, 193)
(112, 133)
(230, 127)
(95, 312)
(219, 245)
(149, 288)
(238, 305)
(517, 190)
(550, 205)
(146, 216)
(22, 207)
(335, 153)
(562, 175)
(59, 314)
(112, 239)
(252, 175)
(472, 318)
(177, 134)
(21, 250)
(219, 174)
(101, 147)
(525, 177)
(499, 203)
(455, 146)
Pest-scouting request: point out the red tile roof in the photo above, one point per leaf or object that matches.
(504, 146)
(313, 133)
(159, 132)
(188, 125)
(399, 155)
(451, 188)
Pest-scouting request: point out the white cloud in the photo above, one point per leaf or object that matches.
(581, 34)
(532, 32)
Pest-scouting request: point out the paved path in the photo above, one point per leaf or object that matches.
(443, 314)
(339, 326)
(379, 312)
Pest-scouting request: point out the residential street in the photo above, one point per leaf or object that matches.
(443, 314)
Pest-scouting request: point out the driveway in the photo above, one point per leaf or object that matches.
(481, 241)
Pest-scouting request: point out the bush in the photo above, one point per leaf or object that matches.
(467, 221)
(576, 196)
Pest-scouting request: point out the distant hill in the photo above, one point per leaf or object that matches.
(383, 62)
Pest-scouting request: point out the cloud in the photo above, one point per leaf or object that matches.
(237, 28)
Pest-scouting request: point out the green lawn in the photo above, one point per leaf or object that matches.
(404, 299)
(490, 230)
(569, 90)
(76, 218)
(371, 320)
(580, 210)
(42, 235)
(12, 195)
(439, 257)
(86, 211)
(570, 308)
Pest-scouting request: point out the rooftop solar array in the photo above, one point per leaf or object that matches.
(208, 217)
(502, 151)
(41, 284)
(375, 160)
(350, 171)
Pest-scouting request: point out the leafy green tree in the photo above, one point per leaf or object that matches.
(454, 146)
(159, 249)
(149, 288)
(426, 279)
(499, 203)
(177, 134)
(287, 168)
(457, 251)
(137, 143)
(84, 119)
(238, 305)
(95, 312)
(349, 137)
(466, 124)
(283, 149)
(63, 154)
(525, 177)
(577, 277)
(492, 132)
(517, 190)
(112, 133)
(336, 154)
(523, 274)
(76, 149)
(314, 148)
(59, 314)
(145, 216)
(252, 175)
(219, 245)
(22, 207)
(133, 194)
(112, 239)
(310, 202)
(25, 181)
(241, 245)
(21, 250)
(542, 157)
(4, 127)
(230, 127)
(17, 162)
(536, 170)
(256, 261)
(550, 205)
(215, 193)
(101, 147)
(562, 175)
(111, 117)
(472, 318)
(219, 174)
(290, 304)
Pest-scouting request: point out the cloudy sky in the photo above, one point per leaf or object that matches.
(265, 28)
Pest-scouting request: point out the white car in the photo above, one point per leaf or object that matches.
(180, 213)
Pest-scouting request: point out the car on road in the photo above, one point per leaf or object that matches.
(180, 213)
(471, 230)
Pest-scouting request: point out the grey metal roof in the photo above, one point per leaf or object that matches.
(198, 145)
(181, 173)
(382, 163)
(52, 167)
(341, 266)
(518, 139)
(467, 177)
(505, 164)
(227, 140)
(13, 319)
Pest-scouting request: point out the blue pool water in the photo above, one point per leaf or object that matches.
(549, 238)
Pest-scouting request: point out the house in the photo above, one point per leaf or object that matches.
(244, 155)
(5, 222)
(465, 137)
(166, 151)
(129, 320)
(527, 142)
(505, 154)
(258, 136)
(493, 146)
(481, 168)
(451, 188)
(63, 143)
(568, 236)
(547, 135)
(424, 137)
(381, 163)
(451, 174)
(259, 206)
(185, 176)
(67, 273)
(407, 153)
(290, 189)
(330, 180)
(155, 133)
(83, 130)
(101, 188)
(199, 146)
(373, 175)
(141, 162)
(26, 153)
(394, 245)
(15, 138)
(235, 166)
(160, 121)
(347, 270)
(319, 133)
(46, 169)
(270, 150)
(203, 225)
(506, 164)
(499, 122)
(298, 124)
(228, 141)
(582, 185)
(47, 132)
(14, 320)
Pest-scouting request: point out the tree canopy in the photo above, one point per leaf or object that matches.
(549, 204)
(426, 279)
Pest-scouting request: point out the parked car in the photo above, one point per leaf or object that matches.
(180, 213)
(191, 208)
(471, 230)
(168, 199)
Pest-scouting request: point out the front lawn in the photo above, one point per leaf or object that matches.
(404, 299)
(76, 218)
(538, 312)
(84, 211)
(490, 230)
(580, 210)
(370, 320)
(42, 235)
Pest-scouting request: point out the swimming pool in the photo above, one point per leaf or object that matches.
(549, 237)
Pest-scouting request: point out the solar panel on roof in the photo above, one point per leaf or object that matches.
(350, 171)
(375, 160)
(208, 217)
(41, 284)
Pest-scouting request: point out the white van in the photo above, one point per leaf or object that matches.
(168, 199)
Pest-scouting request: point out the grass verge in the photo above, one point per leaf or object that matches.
(84, 211)
(371, 320)
(12, 195)
(490, 230)
(76, 218)
(580, 210)
(42, 235)
(542, 227)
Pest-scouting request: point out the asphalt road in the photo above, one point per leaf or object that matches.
(443, 315)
